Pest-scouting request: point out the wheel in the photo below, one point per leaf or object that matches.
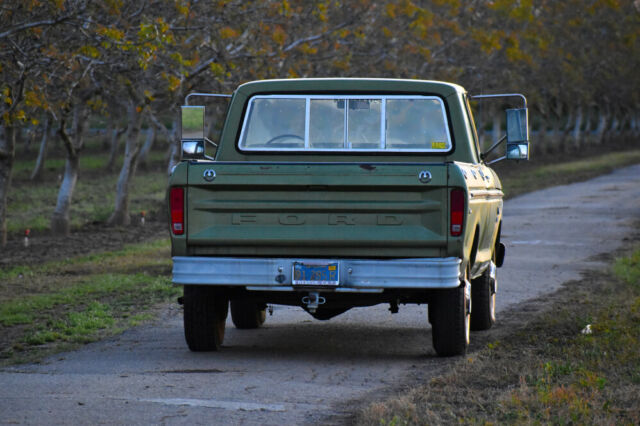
(483, 294)
(247, 314)
(449, 314)
(205, 314)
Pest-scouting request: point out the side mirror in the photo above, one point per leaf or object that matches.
(193, 138)
(517, 134)
(192, 123)
(192, 150)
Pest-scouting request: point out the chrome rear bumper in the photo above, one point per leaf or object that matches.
(356, 275)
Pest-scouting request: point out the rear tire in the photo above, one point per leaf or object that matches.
(483, 315)
(205, 314)
(449, 316)
(247, 314)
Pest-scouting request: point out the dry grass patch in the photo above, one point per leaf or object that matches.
(553, 370)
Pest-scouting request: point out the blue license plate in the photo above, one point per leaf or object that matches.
(316, 274)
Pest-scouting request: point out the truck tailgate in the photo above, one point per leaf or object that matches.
(356, 210)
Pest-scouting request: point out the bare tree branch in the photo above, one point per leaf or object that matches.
(27, 25)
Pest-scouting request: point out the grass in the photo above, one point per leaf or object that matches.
(154, 253)
(550, 371)
(55, 306)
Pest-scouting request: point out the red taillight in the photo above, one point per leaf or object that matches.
(457, 211)
(176, 205)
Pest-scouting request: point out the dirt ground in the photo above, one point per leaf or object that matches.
(90, 239)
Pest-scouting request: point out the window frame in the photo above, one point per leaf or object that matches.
(383, 125)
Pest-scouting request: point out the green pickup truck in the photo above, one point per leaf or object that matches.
(330, 194)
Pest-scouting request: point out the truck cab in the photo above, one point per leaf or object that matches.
(329, 194)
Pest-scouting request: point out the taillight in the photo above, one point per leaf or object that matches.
(457, 211)
(176, 205)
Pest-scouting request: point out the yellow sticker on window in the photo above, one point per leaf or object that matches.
(438, 145)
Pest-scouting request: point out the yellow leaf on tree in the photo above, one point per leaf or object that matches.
(279, 36)
(391, 10)
(306, 48)
(228, 32)
(31, 99)
(216, 69)
(174, 82)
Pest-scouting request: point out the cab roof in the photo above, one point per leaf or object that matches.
(349, 85)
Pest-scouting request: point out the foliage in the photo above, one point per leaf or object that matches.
(558, 51)
(576, 60)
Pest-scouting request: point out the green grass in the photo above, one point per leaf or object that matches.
(550, 371)
(76, 327)
(88, 311)
(30, 307)
(54, 306)
(628, 268)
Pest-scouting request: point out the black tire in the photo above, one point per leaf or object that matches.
(247, 314)
(205, 314)
(449, 316)
(483, 314)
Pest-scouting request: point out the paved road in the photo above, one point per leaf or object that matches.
(299, 370)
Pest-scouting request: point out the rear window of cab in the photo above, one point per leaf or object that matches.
(339, 123)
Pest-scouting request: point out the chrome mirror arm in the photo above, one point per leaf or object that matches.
(494, 146)
(504, 157)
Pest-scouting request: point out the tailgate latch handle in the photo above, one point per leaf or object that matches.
(424, 176)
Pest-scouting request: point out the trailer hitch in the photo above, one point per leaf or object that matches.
(312, 301)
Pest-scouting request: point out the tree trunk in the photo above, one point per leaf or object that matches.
(106, 140)
(148, 143)
(120, 215)
(36, 175)
(174, 147)
(602, 125)
(554, 132)
(635, 124)
(7, 155)
(576, 134)
(542, 139)
(60, 219)
(586, 128)
(29, 137)
(114, 144)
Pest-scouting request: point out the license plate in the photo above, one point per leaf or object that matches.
(320, 274)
